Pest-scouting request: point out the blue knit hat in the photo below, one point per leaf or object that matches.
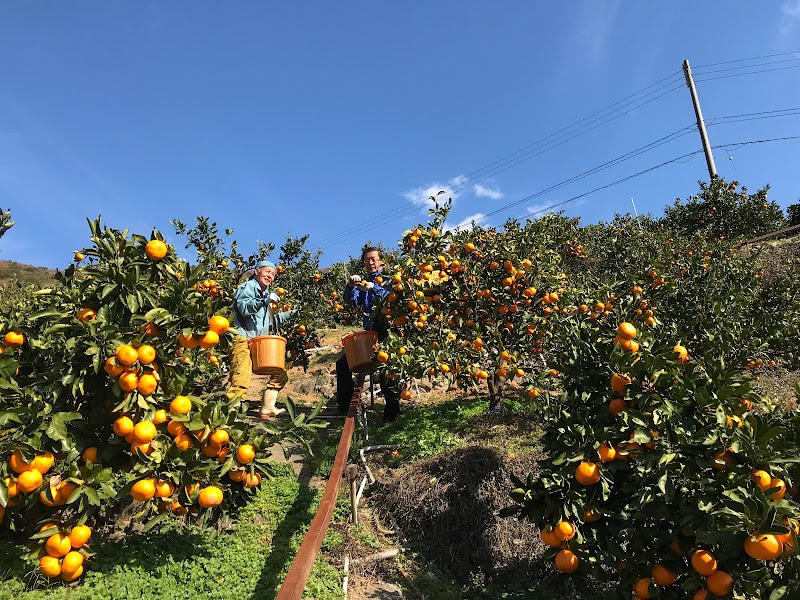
(265, 263)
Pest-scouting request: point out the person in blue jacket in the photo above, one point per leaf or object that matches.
(363, 291)
(255, 316)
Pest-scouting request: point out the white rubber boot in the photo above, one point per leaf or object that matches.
(268, 409)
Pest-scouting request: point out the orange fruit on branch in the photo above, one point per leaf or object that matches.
(79, 535)
(72, 576)
(123, 426)
(50, 565)
(245, 454)
(566, 561)
(144, 431)
(252, 480)
(209, 339)
(86, 314)
(210, 496)
(176, 428)
(704, 562)
(762, 479)
(180, 405)
(71, 562)
(13, 339)
(29, 480)
(43, 462)
(146, 354)
(619, 383)
(183, 441)
(128, 381)
(155, 249)
(58, 545)
(587, 473)
(143, 490)
(126, 355)
(720, 583)
(763, 546)
(606, 452)
(146, 384)
(17, 463)
(550, 538)
(683, 354)
(663, 576)
(564, 531)
(642, 588)
(218, 324)
(189, 342)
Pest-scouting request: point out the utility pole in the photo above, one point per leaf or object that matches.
(701, 126)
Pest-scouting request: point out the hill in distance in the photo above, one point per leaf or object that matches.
(25, 274)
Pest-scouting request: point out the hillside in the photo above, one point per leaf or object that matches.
(25, 274)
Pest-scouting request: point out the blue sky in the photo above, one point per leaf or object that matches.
(319, 117)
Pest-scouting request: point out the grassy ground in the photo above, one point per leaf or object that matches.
(247, 562)
(428, 430)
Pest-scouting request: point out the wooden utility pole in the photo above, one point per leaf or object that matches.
(701, 126)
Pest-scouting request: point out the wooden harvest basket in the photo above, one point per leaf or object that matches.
(268, 354)
(359, 347)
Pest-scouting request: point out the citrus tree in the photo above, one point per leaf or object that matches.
(111, 394)
(665, 473)
(720, 209)
(474, 306)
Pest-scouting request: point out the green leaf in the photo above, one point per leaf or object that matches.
(47, 312)
(91, 495)
(155, 521)
(57, 430)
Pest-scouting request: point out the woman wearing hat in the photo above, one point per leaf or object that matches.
(255, 317)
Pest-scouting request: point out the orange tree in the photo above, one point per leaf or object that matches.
(661, 456)
(721, 210)
(704, 291)
(109, 395)
(664, 473)
(474, 306)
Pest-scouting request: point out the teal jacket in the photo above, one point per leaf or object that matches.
(254, 314)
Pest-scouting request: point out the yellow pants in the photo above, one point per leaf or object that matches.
(242, 370)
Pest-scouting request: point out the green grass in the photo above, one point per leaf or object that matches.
(436, 428)
(427, 430)
(249, 562)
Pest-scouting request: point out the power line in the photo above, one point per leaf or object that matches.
(495, 166)
(595, 114)
(622, 158)
(763, 112)
(648, 170)
(728, 62)
(565, 135)
(758, 118)
(751, 73)
(774, 62)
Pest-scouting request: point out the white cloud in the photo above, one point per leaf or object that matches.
(459, 181)
(594, 25)
(421, 195)
(466, 223)
(790, 17)
(793, 12)
(539, 210)
(486, 192)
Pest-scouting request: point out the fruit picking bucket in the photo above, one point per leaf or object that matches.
(359, 347)
(268, 354)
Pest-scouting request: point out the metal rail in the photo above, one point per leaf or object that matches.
(295, 582)
(769, 235)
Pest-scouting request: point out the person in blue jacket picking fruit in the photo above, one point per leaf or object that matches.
(254, 305)
(363, 291)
